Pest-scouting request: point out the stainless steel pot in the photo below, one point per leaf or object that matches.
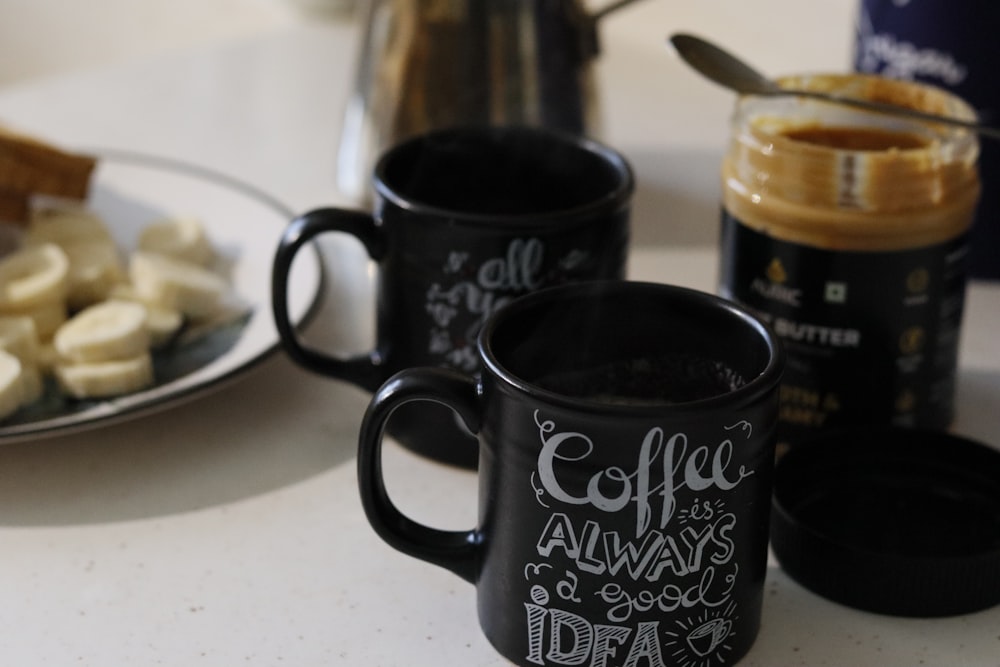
(428, 64)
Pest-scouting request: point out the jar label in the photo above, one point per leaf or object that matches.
(870, 337)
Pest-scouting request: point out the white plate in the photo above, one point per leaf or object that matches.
(129, 191)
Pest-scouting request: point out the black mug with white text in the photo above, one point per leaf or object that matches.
(627, 435)
(464, 220)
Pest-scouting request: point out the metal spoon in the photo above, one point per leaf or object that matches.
(727, 70)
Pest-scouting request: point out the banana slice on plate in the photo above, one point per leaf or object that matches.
(32, 277)
(182, 238)
(163, 323)
(103, 351)
(188, 288)
(47, 316)
(19, 337)
(95, 264)
(105, 379)
(66, 225)
(95, 267)
(107, 331)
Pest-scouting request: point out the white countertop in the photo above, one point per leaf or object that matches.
(228, 530)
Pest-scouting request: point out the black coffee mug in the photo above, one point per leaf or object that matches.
(464, 220)
(627, 442)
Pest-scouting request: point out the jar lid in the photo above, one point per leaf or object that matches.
(891, 520)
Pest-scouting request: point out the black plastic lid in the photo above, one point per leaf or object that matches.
(894, 521)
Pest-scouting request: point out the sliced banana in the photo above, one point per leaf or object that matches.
(107, 331)
(47, 316)
(105, 379)
(192, 290)
(66, 226)
(33, 276)
(69, 262)
(163, 323)
(182, 238)
(11, 389)
(19, 337)
(95, 267)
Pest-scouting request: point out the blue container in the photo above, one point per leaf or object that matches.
(952, 44)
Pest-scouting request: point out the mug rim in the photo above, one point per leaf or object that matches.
(611, 200)
(763, 382)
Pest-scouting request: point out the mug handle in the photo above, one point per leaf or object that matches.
(364, 369)
(453, 550)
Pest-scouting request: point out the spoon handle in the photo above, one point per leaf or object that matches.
(894, 110)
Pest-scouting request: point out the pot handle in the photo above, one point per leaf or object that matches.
(453, 550)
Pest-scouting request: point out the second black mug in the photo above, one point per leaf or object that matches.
(465, 220)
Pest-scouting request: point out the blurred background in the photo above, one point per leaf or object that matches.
(39, 38)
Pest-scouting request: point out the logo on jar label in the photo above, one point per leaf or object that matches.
(773, 287)
(651, 573)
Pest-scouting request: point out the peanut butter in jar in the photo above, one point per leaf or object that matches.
(846, 230)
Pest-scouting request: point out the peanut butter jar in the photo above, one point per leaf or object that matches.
(847, 231)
